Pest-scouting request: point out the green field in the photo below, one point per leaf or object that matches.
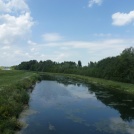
(13, 97)
(9, 77)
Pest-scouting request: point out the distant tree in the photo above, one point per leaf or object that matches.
(79, 64)
(128, 52)
(91, 64)
(119, 68)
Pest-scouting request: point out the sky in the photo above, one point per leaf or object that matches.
(64, 30)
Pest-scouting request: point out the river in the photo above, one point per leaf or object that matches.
(64, 106)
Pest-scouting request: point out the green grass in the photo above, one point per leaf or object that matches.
(108, 84)
(13, 97)
(9, 77)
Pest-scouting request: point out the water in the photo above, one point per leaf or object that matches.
(68, 107)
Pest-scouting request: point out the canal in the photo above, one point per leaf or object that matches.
(65, 106)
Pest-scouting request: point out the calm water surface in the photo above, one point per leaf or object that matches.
(67, 107)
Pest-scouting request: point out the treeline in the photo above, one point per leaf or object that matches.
(119, 68)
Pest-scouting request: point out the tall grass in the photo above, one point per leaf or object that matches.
(13, 97)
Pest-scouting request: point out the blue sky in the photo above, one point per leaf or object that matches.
(64, 30)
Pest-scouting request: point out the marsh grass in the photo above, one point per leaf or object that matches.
(13, 97)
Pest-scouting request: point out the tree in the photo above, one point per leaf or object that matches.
(128, 52)
(119, 68)
(79, 64)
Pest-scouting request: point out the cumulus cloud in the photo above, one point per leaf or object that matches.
(121, 19)
(92, 2)
(9, 6)
(15, 25)
(15, 21)
(13, 28)
(50, 37)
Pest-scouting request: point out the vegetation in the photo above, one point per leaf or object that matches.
(119, 68)
(1, 68)
(13, 97)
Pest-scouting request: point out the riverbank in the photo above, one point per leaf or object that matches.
(108, 84)
(13, 97)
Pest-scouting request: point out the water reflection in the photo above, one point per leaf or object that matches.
(65, 106)
(120, 101)
(124, 103)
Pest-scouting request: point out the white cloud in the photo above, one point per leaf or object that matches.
(31, 43)
(14, 28)
(51, 37)
(88, 44)
(121, 19)
(92, 2)
(118, 125)
(15, 21)
(5, 47)
(9, 6)
(102, 35)
(75, 50)
(95, 50)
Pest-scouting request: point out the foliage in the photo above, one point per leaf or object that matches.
(119, 68)
(79, 63)
(1, 68)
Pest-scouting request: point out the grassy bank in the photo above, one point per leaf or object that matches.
(13, 93)
(108, 84)
(13, 97)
